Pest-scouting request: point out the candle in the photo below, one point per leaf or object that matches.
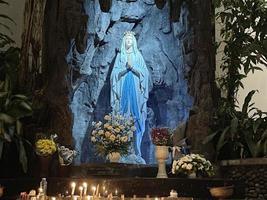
(73, 186)
(116, 192)
(53, 198)
(84, 188)
(94, 189)
(122, 197)
(97, 189)
(40, 190)
(81, 191)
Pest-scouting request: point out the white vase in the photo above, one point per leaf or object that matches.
(114, 157)
(192, 175)
(161, 154)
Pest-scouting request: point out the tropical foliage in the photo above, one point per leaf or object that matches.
(13, 106)
(244, 38)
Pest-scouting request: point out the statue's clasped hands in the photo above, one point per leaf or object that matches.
(129, 66)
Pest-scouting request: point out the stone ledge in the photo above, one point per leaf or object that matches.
(247, 161)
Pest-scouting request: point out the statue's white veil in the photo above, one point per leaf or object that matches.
(123, 56)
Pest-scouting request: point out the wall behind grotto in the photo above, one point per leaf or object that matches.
(161, 44)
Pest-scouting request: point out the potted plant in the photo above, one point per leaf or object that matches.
(113, 137)
(14, 105)
(45, 148)
(192, 165)
(161, 138)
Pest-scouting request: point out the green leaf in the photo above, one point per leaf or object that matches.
(2, 94)
(1, 148)
(251, 144)
(7, 17)
(264, 135)
(7, 118)
(26, 106)
(209, 138)
(4, 2)
(20, 96)
(18, 127)
(23, 156)
(247, 101)
(256, 125)
(234, 125)
(222, 141)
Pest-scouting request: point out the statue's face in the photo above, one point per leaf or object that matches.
(128, 42)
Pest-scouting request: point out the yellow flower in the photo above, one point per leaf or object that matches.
(106, 125)
(117, 130)
(110, 128)
(122, 127)
(107, 134)
(107, 117)
(112, 137)
(124, 139)
(45, 146)
(100, 132)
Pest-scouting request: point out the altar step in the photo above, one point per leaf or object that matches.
(109, 170)
(141, 187)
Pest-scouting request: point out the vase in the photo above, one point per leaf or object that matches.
(192, 175)
(114, 157)
(44, 165)
(161, 154)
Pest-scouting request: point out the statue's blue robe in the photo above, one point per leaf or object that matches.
(129, 94)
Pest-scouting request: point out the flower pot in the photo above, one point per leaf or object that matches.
(223, 192)
(161, 154)
(44, 165)
(114, 157)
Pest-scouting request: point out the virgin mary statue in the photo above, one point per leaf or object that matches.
(129, 87)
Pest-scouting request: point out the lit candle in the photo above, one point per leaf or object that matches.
(40, 190)
(84, 188)
(97, 189)
(81, 191)
(73, 186)
(53, 198)
(116, 192)
(94, 189)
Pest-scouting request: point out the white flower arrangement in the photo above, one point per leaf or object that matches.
(192, 163)
(113, 135)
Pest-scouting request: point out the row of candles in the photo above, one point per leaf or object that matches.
(83, 189)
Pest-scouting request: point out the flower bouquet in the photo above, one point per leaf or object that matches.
(114, 135)
(161, 136)
(45, 147)
(192, 164)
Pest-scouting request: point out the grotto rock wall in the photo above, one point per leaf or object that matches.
(161, 44)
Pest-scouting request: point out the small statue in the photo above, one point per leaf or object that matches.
(66, 155)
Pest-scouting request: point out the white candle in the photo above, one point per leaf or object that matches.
(84, 188)
(81, 191)
(116, 192)
(53, 198)
(94, 189)
(73, 185)
(40, 190)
